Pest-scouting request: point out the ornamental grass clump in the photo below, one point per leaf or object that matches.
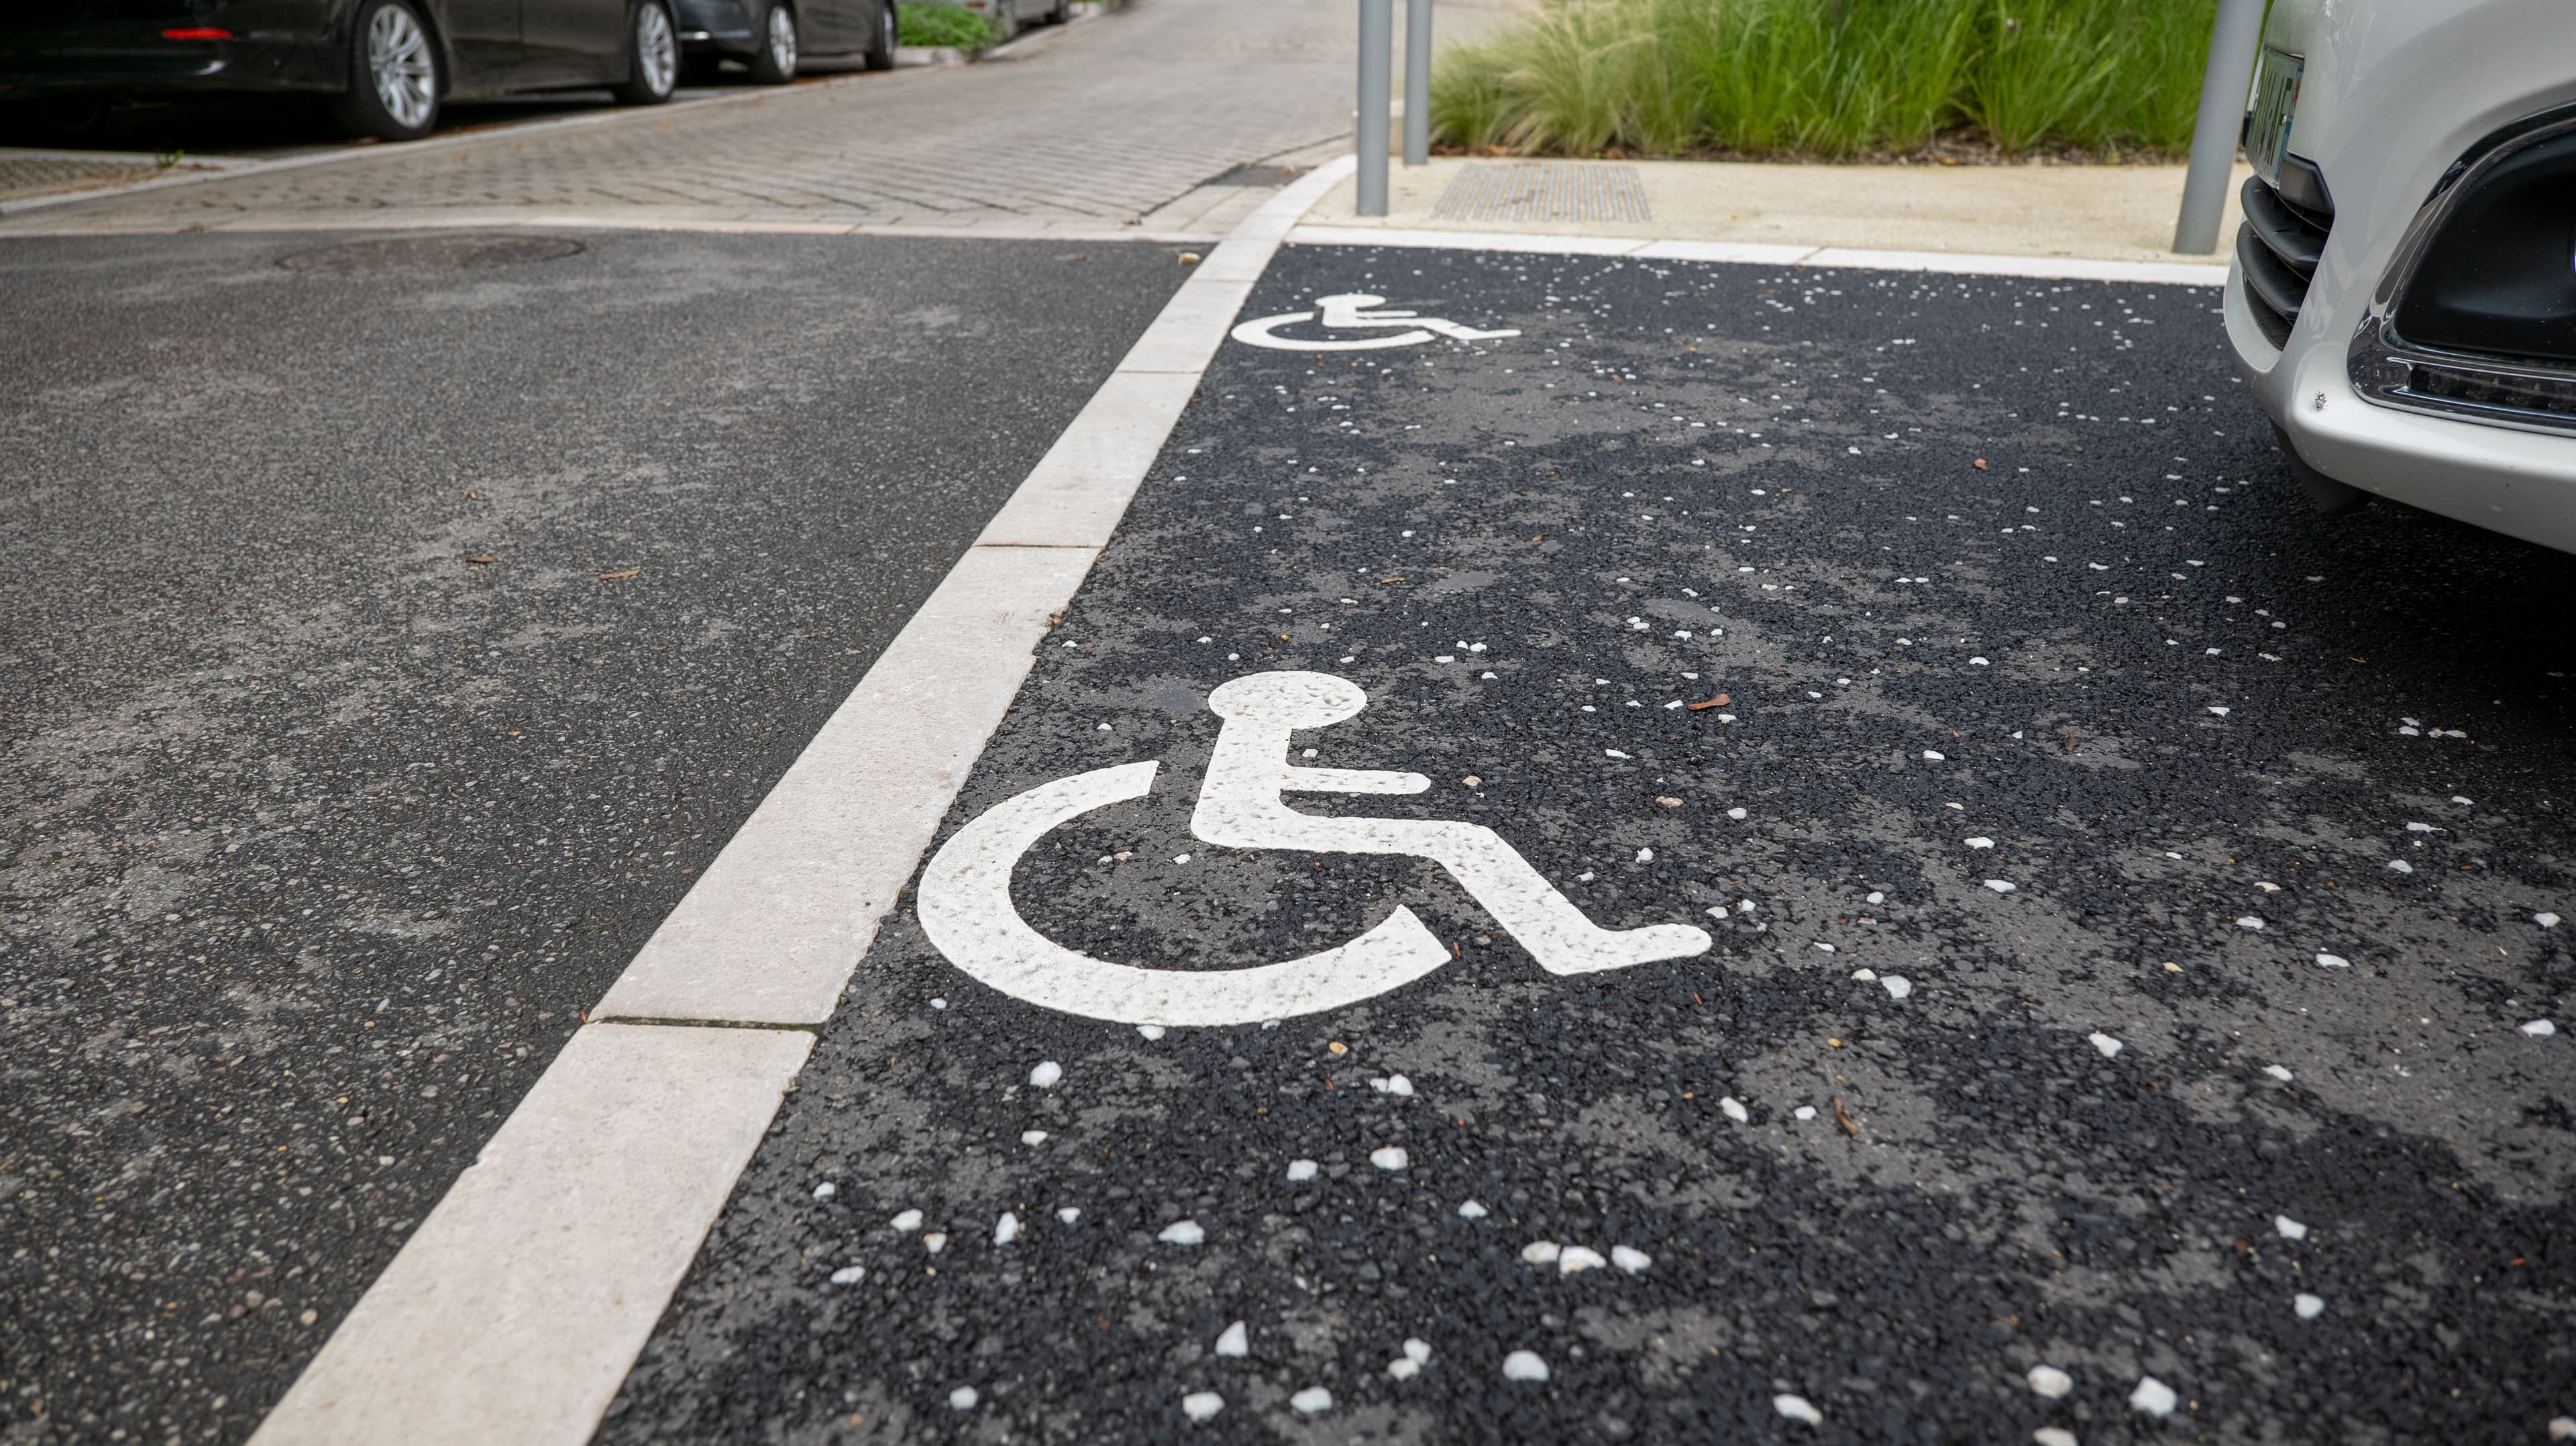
(1831, 79)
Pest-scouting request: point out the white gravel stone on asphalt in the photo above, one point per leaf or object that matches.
(1183, 1232)
(2109, 1046)
(1734, 1109)
(2546, 921)
(907, 1221)
(2279, 1073)
(1235, 1341)
(1541, 1252)
(2540, 1028)
(1404, 1368)
(1069, 1214)
(2153, 1397)
(1202, 1405)
(1897, 986)
(1033, 1137)
(1798, 1408)
(1006, 1229)
(1417, 1350)
(2002, 886)
(2333, 961)
(2290, 1229)
(2308, 1306)
(1312, 1401)
(1046, 1075)
(1631, 1259)
(1524, 1366)
(1470, 1210)
(1390, 1157)
(2051, 1382)
(962, 1399)
(1300, 1171)
(935, 1242)
(1577, 1258)
(826, 1190)
(849, 1275)
(2562, 1428)
(2053, 1436)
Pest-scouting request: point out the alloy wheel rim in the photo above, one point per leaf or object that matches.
(782, 39)
(657, 56)
(399, 63)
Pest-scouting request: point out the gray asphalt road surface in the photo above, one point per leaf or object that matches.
(393, 627)
(2135, 1005)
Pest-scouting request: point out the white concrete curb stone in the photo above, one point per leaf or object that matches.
(516, 1310)
(512, 1313)
(2038, 268)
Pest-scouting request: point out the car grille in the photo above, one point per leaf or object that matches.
(2277, 250)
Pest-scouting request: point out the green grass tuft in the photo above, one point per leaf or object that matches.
(1828, 78)
(942, 25)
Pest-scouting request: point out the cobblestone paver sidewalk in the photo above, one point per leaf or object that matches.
(1104, 125)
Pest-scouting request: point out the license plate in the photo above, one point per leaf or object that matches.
(2276, 97)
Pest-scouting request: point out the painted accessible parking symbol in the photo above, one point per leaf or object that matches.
(1354, 311)
(965, 896)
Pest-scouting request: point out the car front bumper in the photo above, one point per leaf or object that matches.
(2464, 71)
(2520, 483)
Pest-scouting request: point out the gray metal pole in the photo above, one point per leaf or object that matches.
(1377, 53)
(2232, 42)
(1417, 82)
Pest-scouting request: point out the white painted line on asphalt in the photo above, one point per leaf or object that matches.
(2038, 268)
(513, 1314)
(552, 1256)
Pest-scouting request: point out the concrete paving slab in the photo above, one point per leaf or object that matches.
(2109, 213)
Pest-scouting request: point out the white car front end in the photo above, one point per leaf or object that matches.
(2420, 156)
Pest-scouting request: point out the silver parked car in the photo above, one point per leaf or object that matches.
(2403, 295)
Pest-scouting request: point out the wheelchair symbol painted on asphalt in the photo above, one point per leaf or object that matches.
(1350, 312)
(965, 896)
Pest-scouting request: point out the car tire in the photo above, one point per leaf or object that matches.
(652, 55)
(774, 63)
(393, 74)
(881, 37)
(2331, 497)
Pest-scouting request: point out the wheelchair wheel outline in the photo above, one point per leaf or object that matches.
(964, 904)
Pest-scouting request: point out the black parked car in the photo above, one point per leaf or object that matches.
(771, 35)
(386, 64)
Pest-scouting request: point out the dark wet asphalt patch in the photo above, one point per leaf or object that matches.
(1982, 1128)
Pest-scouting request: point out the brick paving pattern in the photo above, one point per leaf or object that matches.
(1097, 127)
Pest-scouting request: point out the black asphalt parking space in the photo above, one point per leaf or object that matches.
(394, 628)
(2059, 740)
